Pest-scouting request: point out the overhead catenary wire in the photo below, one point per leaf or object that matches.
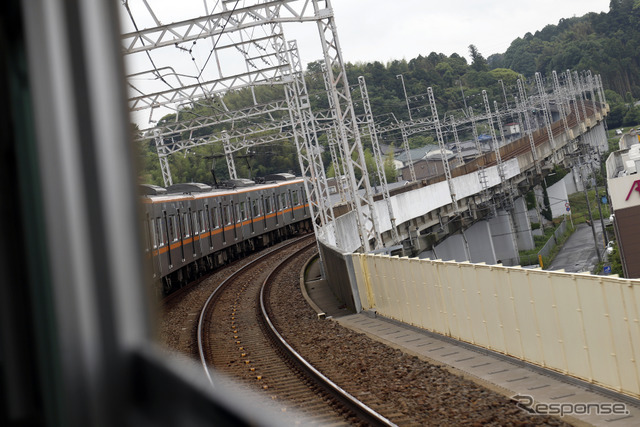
(125, 3)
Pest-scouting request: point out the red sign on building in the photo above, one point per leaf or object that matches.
(635, 186)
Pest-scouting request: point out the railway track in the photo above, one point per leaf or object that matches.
(557, 129)
(237, 337)
(401, 387)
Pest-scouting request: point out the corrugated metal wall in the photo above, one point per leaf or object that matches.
(578, 324)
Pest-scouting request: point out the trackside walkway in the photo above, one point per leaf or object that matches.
(510, 377)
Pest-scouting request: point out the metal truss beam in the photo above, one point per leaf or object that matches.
(215, 24)
(546, 110)
(231, 165)
(305, 138)
(580, 94)
(407, 149)
(524, 103)
(561, 100)
(379, 159)
(443, 154)
(337, 165)
(236, 140)
(348, 133)
(206, 90)
(494, 138)
(220, 116)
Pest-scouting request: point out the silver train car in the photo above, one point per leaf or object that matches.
(191, 229)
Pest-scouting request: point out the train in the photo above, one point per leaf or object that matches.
(192, 228)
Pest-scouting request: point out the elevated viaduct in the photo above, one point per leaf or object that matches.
(470, 287)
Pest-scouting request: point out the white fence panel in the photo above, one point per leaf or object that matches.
(526, 315)
(548, 328)
(568, 316)
(489, 303)
(585, 326)
(473, 305)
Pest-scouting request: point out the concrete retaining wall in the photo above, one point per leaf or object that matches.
(338, 268)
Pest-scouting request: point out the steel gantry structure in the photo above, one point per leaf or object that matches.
(191, 65)
(239, 32)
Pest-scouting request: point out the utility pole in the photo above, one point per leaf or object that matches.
(404, 89)
(604, 232)
(593, 227)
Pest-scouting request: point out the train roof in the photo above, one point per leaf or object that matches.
(238, 183)
(151, 190)
(169, 196)
(280, 177)
(188, 187)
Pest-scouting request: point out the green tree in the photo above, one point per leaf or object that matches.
(632, 117)
(390, 171)
(478, 62)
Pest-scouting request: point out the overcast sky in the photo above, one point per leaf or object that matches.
(368, 30)
(384, 30)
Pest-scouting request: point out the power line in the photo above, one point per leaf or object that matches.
(125, 3)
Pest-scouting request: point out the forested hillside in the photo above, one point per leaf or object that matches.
(605, 43)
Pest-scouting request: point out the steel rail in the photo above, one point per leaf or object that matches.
(202, 320)
(365, 413)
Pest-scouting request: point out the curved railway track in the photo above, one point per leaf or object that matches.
(401, 387)
(237, 336)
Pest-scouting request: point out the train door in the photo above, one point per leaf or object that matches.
(234, 219)
(210, 226)
(263, 204)
(277, 207)
(151, 247)
(173, 237)
(305, 202)
(165, 223)
(252, 215)
(293, 196)
(225, 221)
(182, 232)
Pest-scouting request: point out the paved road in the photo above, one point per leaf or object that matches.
(579, 253)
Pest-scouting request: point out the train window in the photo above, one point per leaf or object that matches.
(267, 204)
(242, 211)
(226, 215)
(233, 213)
(185, 224)
(159, 232)
(196, 223)
(147, 237)
(215, 223)
(173, 228)
(256, 208)
(283, 201)
(202, 222)
(296, 198)
(153, 234)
